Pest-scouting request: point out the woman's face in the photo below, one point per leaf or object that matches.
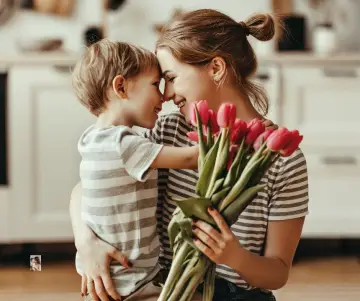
(185, 83)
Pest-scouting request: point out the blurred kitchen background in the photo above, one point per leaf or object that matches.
(311, 72)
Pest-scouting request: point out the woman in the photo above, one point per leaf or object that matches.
(205, 54)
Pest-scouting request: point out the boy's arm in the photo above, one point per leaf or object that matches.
(177, 158)
(139, 155)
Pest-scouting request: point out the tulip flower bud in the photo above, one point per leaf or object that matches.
(233, 150)
(213, 121)
(203, 109)
(255, 128)
(278, 139)
(262, 138)
(238, 131)
(295, 140)
(226, 115)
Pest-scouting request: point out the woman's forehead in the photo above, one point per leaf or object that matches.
(167, 60)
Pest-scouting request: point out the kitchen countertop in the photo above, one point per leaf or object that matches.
(66, 59)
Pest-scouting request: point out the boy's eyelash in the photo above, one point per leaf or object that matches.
(171, 79)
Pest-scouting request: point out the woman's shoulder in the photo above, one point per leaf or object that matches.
(174, 124)
(173, 118)
(293, 163)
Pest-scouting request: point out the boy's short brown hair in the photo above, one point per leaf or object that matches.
(101, 63)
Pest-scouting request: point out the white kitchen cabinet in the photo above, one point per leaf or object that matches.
(4, 216)
(269, 78)
(324, 104)
(45, 123)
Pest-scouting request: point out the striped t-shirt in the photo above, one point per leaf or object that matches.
(119, 195)
(284, 197)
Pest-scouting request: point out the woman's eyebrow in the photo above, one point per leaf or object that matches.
(165, 72)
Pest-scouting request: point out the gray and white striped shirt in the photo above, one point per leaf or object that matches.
(119, 199)
(285, 195)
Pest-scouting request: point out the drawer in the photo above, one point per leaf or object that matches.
(334, 194)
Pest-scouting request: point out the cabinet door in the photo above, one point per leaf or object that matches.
(334, 194)
(4, 213)
(324, 104)
(269, 78)
(45, 123)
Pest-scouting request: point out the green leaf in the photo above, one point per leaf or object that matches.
(217, 186)
(221, 159)
(174, 228)
(206, 171)
(240, 184)
(255, 157)
(232, 174)
(196, 207)
(232, 212)
(185, 225)
(217, 197)
(209, 283)
(210, 138)
(202, 144)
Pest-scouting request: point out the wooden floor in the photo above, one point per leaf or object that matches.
(328, 279)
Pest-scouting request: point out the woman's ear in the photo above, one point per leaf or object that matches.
(218, 69)
(119, 86)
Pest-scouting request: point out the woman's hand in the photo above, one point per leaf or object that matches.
(269, 125)
(95, 256)
(221, 247)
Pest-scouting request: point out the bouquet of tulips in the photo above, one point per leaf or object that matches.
(234, 155)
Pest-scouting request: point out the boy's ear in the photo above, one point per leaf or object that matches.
(119, 86)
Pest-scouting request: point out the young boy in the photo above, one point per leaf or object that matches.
(119, 83)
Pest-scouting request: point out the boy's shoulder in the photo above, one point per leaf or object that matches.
(93, 136)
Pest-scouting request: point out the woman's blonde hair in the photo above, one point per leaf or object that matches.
(199, 36)
(101, 63)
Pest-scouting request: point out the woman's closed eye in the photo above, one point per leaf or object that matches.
(156, 84)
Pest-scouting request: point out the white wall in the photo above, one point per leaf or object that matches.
(133, 22)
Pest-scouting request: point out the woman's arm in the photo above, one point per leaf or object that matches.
(270, 271)
(95, 255)
(288, 205)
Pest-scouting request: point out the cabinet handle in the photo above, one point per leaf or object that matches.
(64, 68)
(338, 160)
(262, 76)
(336, 72)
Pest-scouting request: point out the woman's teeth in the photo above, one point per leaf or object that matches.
(181, 104)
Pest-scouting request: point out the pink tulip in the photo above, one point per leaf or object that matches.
(255, 128)
(262, 138)
(214, 125)
(203, 109)
(238, 131)
(232, 154)
(193, 136)
(295, 140)
(278, 139)
(226, 115)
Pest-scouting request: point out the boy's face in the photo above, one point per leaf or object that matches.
(145, 98)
